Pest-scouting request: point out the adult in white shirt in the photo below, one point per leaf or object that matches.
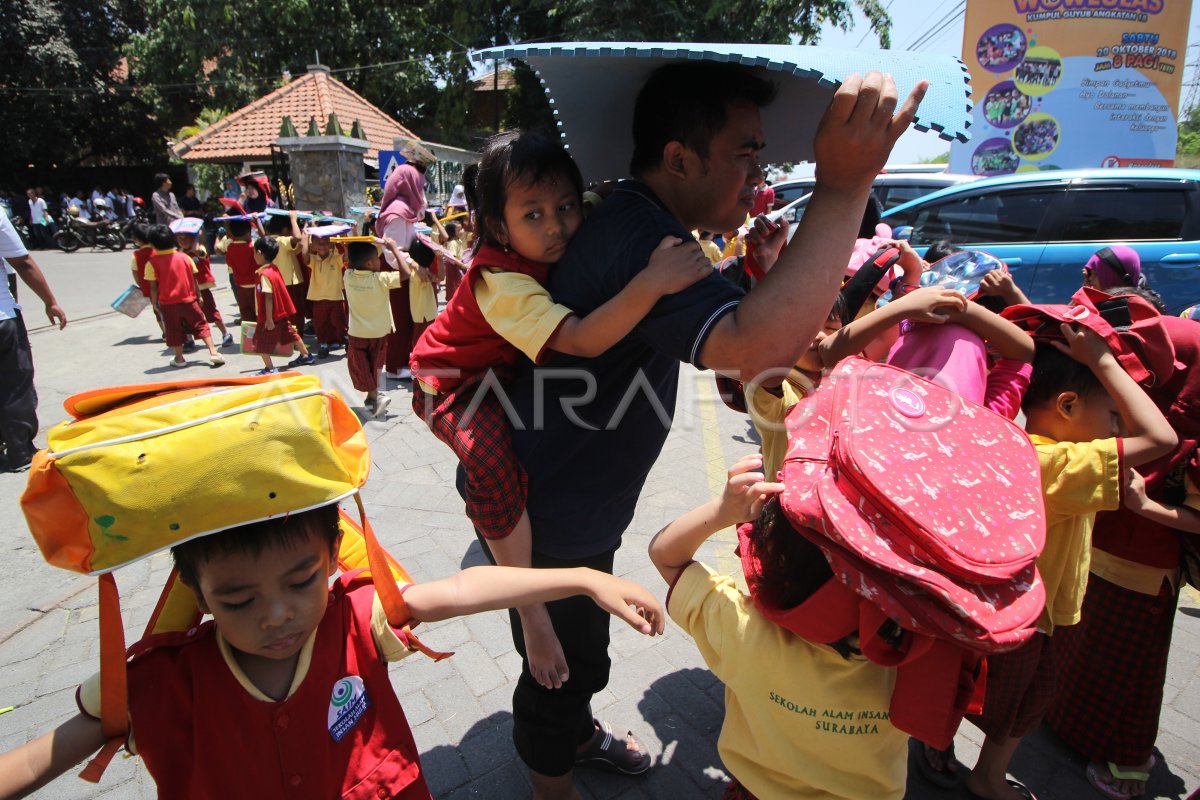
(18, 397)
(37, 219)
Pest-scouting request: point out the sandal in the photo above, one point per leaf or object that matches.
(1102, 774)
(946, 776)
(1019, 788)
(612, 753)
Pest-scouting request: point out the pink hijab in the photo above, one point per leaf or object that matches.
(403, 197)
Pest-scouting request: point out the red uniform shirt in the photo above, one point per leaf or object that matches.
(203, 267)
(281, 307)
(173, 271)
(341, 734)
(240, 258)
(460, 338)
(141, 257)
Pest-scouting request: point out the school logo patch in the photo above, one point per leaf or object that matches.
(346, 706)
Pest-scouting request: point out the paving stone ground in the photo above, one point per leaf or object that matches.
(460, 708)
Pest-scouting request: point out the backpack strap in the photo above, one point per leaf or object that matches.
(388, 590)
(114, 699)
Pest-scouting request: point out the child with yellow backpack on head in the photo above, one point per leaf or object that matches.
(286, 689)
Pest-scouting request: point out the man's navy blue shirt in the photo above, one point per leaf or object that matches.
(587, 461)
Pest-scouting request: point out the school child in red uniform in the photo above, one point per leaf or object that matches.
(275, 310)
(239, 256)
(285, 692)
(137, 265)
(186, 231)
(172, 279)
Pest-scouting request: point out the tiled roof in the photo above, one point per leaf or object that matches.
(247, 133)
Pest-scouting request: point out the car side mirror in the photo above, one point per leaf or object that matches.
(904, 232)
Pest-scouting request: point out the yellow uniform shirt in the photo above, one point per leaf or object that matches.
(801, 722)
(367, 297)
(1078, 479)
(768, 413)
(389, 645)
(422, 300)
(325, 283)
(288, 260)
(455, 246)
(711, 250)
(519, 309)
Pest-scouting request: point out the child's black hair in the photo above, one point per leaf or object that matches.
(1055, 372)
(470, 178)
(1149, 295)
(160, 237)
(254, 539)
(359, 253)
(239, 227)
(421, 253)
(268, 247)
(141, 232)
(517, 158)
(839, 310)
(278, 225)
(452, 230)
(939, 250)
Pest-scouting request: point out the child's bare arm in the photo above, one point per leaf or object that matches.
(930, 304)
(1010, 341)
(269, 311)
(673, 267)
(674, 547)
(1148, 435)
(999, 283)
(305, 240)
(27, 768)
(488, 588)
(294, 217)
(404, 261)
(153, 284)
(1178, 517)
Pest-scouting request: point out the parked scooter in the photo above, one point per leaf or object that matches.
(76, 232)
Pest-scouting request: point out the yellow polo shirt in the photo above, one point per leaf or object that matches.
(288, 260)
(801, 722)
(519, 309)
(422, 300)
(769, 412)
(325, 283)
(367, 297)
(1078, 479)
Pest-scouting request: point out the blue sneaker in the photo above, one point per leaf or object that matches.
(227, 341)
(267, 371)
(303, 361)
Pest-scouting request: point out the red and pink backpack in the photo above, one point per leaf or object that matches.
(929, 510)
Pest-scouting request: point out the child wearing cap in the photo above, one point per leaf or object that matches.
(187, 232)
(368, 299)
(325, 293)
(802, 720)
(171, 276)
(286, 692)
(275, 310)
(239, 257)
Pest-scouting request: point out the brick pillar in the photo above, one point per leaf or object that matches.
(327, 171)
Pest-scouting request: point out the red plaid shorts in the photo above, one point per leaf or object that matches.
(1020, 689)
(479, 434)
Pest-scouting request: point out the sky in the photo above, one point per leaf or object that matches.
(913, 18)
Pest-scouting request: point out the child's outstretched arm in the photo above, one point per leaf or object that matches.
(404, 261)
(1178, 517)
(673, 267)
(488, 588)
(1148, 435)
(674, 547)
(930, 304)
(31, 766)
(1010, 341)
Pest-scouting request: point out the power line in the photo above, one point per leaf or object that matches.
(939, 26)
(941, 31)
(907, 46)
(867, 32)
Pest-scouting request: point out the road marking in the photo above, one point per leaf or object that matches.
(716, 470)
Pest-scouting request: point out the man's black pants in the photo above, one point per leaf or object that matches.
(549, 725)
(18, 398)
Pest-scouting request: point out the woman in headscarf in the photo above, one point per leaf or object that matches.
(402, 207)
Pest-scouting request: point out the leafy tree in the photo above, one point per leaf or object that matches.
(61, 74)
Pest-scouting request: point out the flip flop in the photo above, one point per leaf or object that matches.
(608, 752)
(1020, 788)
(1097, 772)
(951, 773)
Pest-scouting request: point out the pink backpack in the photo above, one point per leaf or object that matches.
(928, 506)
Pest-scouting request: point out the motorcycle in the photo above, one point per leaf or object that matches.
(76, 233)
(139, 215)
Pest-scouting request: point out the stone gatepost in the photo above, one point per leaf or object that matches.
(327, 171)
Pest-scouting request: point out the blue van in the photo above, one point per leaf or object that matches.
(1045, 226)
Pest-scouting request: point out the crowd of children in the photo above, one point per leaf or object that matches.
(265, 584)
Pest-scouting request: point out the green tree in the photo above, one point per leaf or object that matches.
(62, 79)
(1189, 134)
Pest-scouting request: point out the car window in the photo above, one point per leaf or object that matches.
(895, 195)
(1119, 212)
(1000, 217)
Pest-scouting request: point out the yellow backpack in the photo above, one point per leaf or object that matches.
(140, 469)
